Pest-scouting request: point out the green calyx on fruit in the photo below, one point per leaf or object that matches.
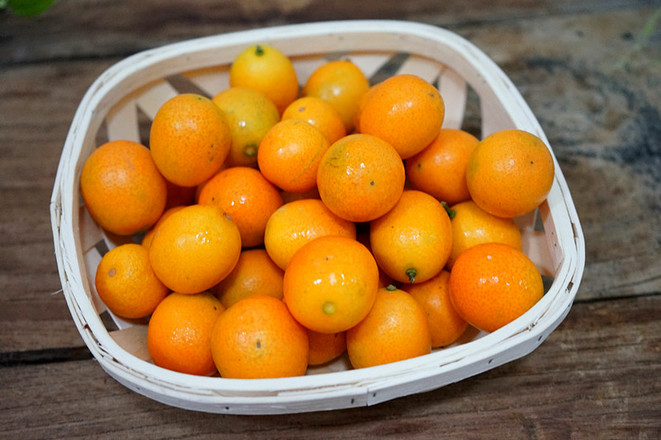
(411, 273)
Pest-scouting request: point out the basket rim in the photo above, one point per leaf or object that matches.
(116, 360)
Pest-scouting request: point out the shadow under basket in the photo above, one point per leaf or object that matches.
(479, 98)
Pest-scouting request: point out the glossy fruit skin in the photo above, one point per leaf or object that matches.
(289, 155)
(325, 347)
(510, 173)
(126, 282)
(318, 113)
(405, 111)
(433, 295)
(254, 274)
(360, 177)
(440, 169)
(361, 105)
(245, 195)
(179, 332)
(296, 223)
(149, 235)
(250, 114)
(471, 225)
(330, 284)
(412, 241)
(492, 284)
(258, 338)
(122, 187)
(189, 139)
(195, 248)
(268, 70)
(395, 329)
(340, 83)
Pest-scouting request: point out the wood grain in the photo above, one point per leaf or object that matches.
(105, 28)
(580, 65)
(37, 103)
(580, 383)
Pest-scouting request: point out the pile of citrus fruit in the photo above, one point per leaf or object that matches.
(276, 227)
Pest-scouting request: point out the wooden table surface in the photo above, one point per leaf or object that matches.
(590, 71)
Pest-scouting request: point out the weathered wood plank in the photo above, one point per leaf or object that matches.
(595, 377)
(92, 28)
(37, 104)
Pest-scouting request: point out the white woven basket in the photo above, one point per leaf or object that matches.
(125, 98)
